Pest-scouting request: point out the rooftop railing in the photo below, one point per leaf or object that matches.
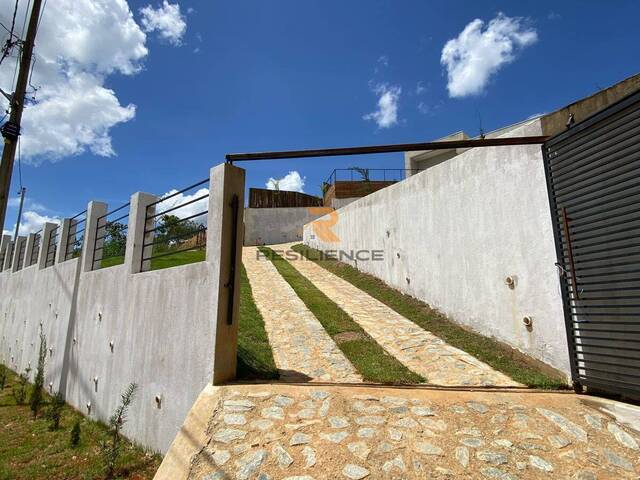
(52, 247)
(77, 227)
(35, 250)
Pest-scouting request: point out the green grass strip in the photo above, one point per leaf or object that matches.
(492, 352)
(255, 357)
(366, 355)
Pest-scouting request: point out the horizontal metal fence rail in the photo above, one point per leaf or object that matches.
(111, 239)
(394, 148)
(52, 247)
(35, 250)
(73, 248)
(164, 244)
(593, 177)
(2, 257)
(21, 252)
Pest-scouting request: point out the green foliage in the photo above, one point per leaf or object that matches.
(74, 437)
(363, 172)
(20, 388)
(111, 448)
(172, 231)
(115, 240)
(3, 376)
(38, 382)
(55, 411)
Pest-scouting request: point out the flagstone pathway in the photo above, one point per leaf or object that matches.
(416, 348)
(302, 349)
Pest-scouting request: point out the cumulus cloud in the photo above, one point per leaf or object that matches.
(80, 43)
(477, 53)
(31, 222)
(166, 20)
(386, 115)
(291, 182)
(194, 208)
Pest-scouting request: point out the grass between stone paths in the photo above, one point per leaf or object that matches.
(366, 355)
(255, 357)
(30, 451)
(499, 356)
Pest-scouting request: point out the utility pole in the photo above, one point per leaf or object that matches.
(11, 129)
(19, 219)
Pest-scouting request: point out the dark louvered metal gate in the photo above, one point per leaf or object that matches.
(593, 177)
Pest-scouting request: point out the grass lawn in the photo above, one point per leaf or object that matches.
(255, 358)
(366, 355)
(501, 357)
(30, 451)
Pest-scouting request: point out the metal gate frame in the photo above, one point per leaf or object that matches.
(569, 281)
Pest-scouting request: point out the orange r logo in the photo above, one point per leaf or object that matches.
(322, 228)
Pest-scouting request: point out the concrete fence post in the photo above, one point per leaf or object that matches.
(17, 253)
(4, 248)
(28, 251)
(136, 237)
(47, 232)
(95, 210)
(224, 256)
(8, 258)
(63, 240)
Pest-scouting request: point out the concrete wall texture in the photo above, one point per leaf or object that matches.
(452, 234)
(110, 327)
(270, 226)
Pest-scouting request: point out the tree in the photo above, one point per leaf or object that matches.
(38, 382)
(111, 449)
(172, 230)
(115, 240)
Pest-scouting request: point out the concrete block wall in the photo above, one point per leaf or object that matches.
(165, 330)
(452, 234)
(271, 226)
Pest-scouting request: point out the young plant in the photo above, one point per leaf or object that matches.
(20, 388)
(3, 376)
(74, 437)
(55, 411)
(111, 448)
(38, 383)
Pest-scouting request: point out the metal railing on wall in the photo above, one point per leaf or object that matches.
(3, 255)
(110, 244)
(369, 174)
(52, 247)
(178, 227)
(35, 250)
(73, 248)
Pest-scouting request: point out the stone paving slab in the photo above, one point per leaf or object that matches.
(302, 431)
(416, 348)
(302, 349)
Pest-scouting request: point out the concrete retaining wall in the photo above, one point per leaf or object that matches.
(452, 234)
(270, 226)
(165, 330)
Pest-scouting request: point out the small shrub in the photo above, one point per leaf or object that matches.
(55, 411)
(38, 383)
(111, 448)
(3, 376)
(74, 437)
(20, 388)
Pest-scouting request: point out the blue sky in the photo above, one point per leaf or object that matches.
(257, 75)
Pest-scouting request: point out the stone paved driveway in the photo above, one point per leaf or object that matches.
(418, 349)
(309, 432)
(302, 349)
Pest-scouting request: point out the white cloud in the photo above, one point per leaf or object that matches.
(79, 44)
(420, 88)
(31, 223)
(476, 54)
(291, 182)
(387, 113)
(188, 210)
(166, 20)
